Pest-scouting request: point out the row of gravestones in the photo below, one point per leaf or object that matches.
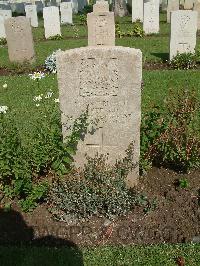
(106, 80)
(51, 17)
(147, 11)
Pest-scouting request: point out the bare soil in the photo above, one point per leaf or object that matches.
(175, 219)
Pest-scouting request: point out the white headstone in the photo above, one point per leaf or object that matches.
(137, 10)
(31, 13)
(173, 5)
(66, 12)
(183, 32)
(51, 21)
(101, 25)
(107, 82)
(188, 4)
(75, 6)
(4, 14)
(197, 8)
(151, 16)
(164, 5)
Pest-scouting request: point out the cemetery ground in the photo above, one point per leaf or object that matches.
(167, 208)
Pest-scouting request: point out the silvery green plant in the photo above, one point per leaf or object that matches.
(50, 62)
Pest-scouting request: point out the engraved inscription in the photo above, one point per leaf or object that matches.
(98, 77)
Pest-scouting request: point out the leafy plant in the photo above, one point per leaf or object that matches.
(170, 135)
(3, 41)
(28, 155)
(56, 37)
(136, 31)
(50, 62)
(100, 189)
(184, 61)
(183, 183)
(83, 19)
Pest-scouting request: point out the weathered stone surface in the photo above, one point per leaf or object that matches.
(4, 14)
(107, 81)
(31, 13)
(101, 26)
(66, 12)
(51, 21)
(20, 40)
(197, 8)
(183, 32)
(164, 5)
(173, 5)
(137, 10)
(188, 4)
(151, 16)
(75, 6)
(120, 8)
(101, 6)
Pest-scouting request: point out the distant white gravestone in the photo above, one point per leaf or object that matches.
(66, 12)
(151, 16)
(31, 13)
(4, 14)
(19, 39)
(183, 32)
(188, 4)
(101, 25)
(106, 81)
(137, 10)
(173, 5)
(51, 21)
(197, 8)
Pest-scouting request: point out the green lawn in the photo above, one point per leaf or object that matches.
(101, 256)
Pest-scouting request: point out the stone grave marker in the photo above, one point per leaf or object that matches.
(51, 21)
(4, 14)
(164, 5)
(106, 81)
(19, 39)
(188, 4)
(183, 32)
(75, 6)
(31, 13)
(151, 16)
(173, 5)
(197, 8)
(137, 10)
(66, 12)
(101, 25)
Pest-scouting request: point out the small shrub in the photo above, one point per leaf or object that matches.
(170, 135)
(83, 19)
(99, 190)
(184, 61)
(56, 37)
(29, 154)
(3, 41)
(136, 31)
(50, 62)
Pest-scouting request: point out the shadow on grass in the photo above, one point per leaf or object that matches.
(19, 247)
(163, 56)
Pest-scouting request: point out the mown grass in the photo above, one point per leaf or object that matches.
(111, 256)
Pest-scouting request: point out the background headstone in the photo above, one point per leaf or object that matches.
(66, 12)
(31, 13)
(120, 8)
(164, 5)
(183, 32)
(173, 5)
(75, 6)
(101, 25)
(107, 81)
(4, 14)
(51, 21)
(137, 10)
(19, 39)
(188, 4)
(151, 16)
(197, 8)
